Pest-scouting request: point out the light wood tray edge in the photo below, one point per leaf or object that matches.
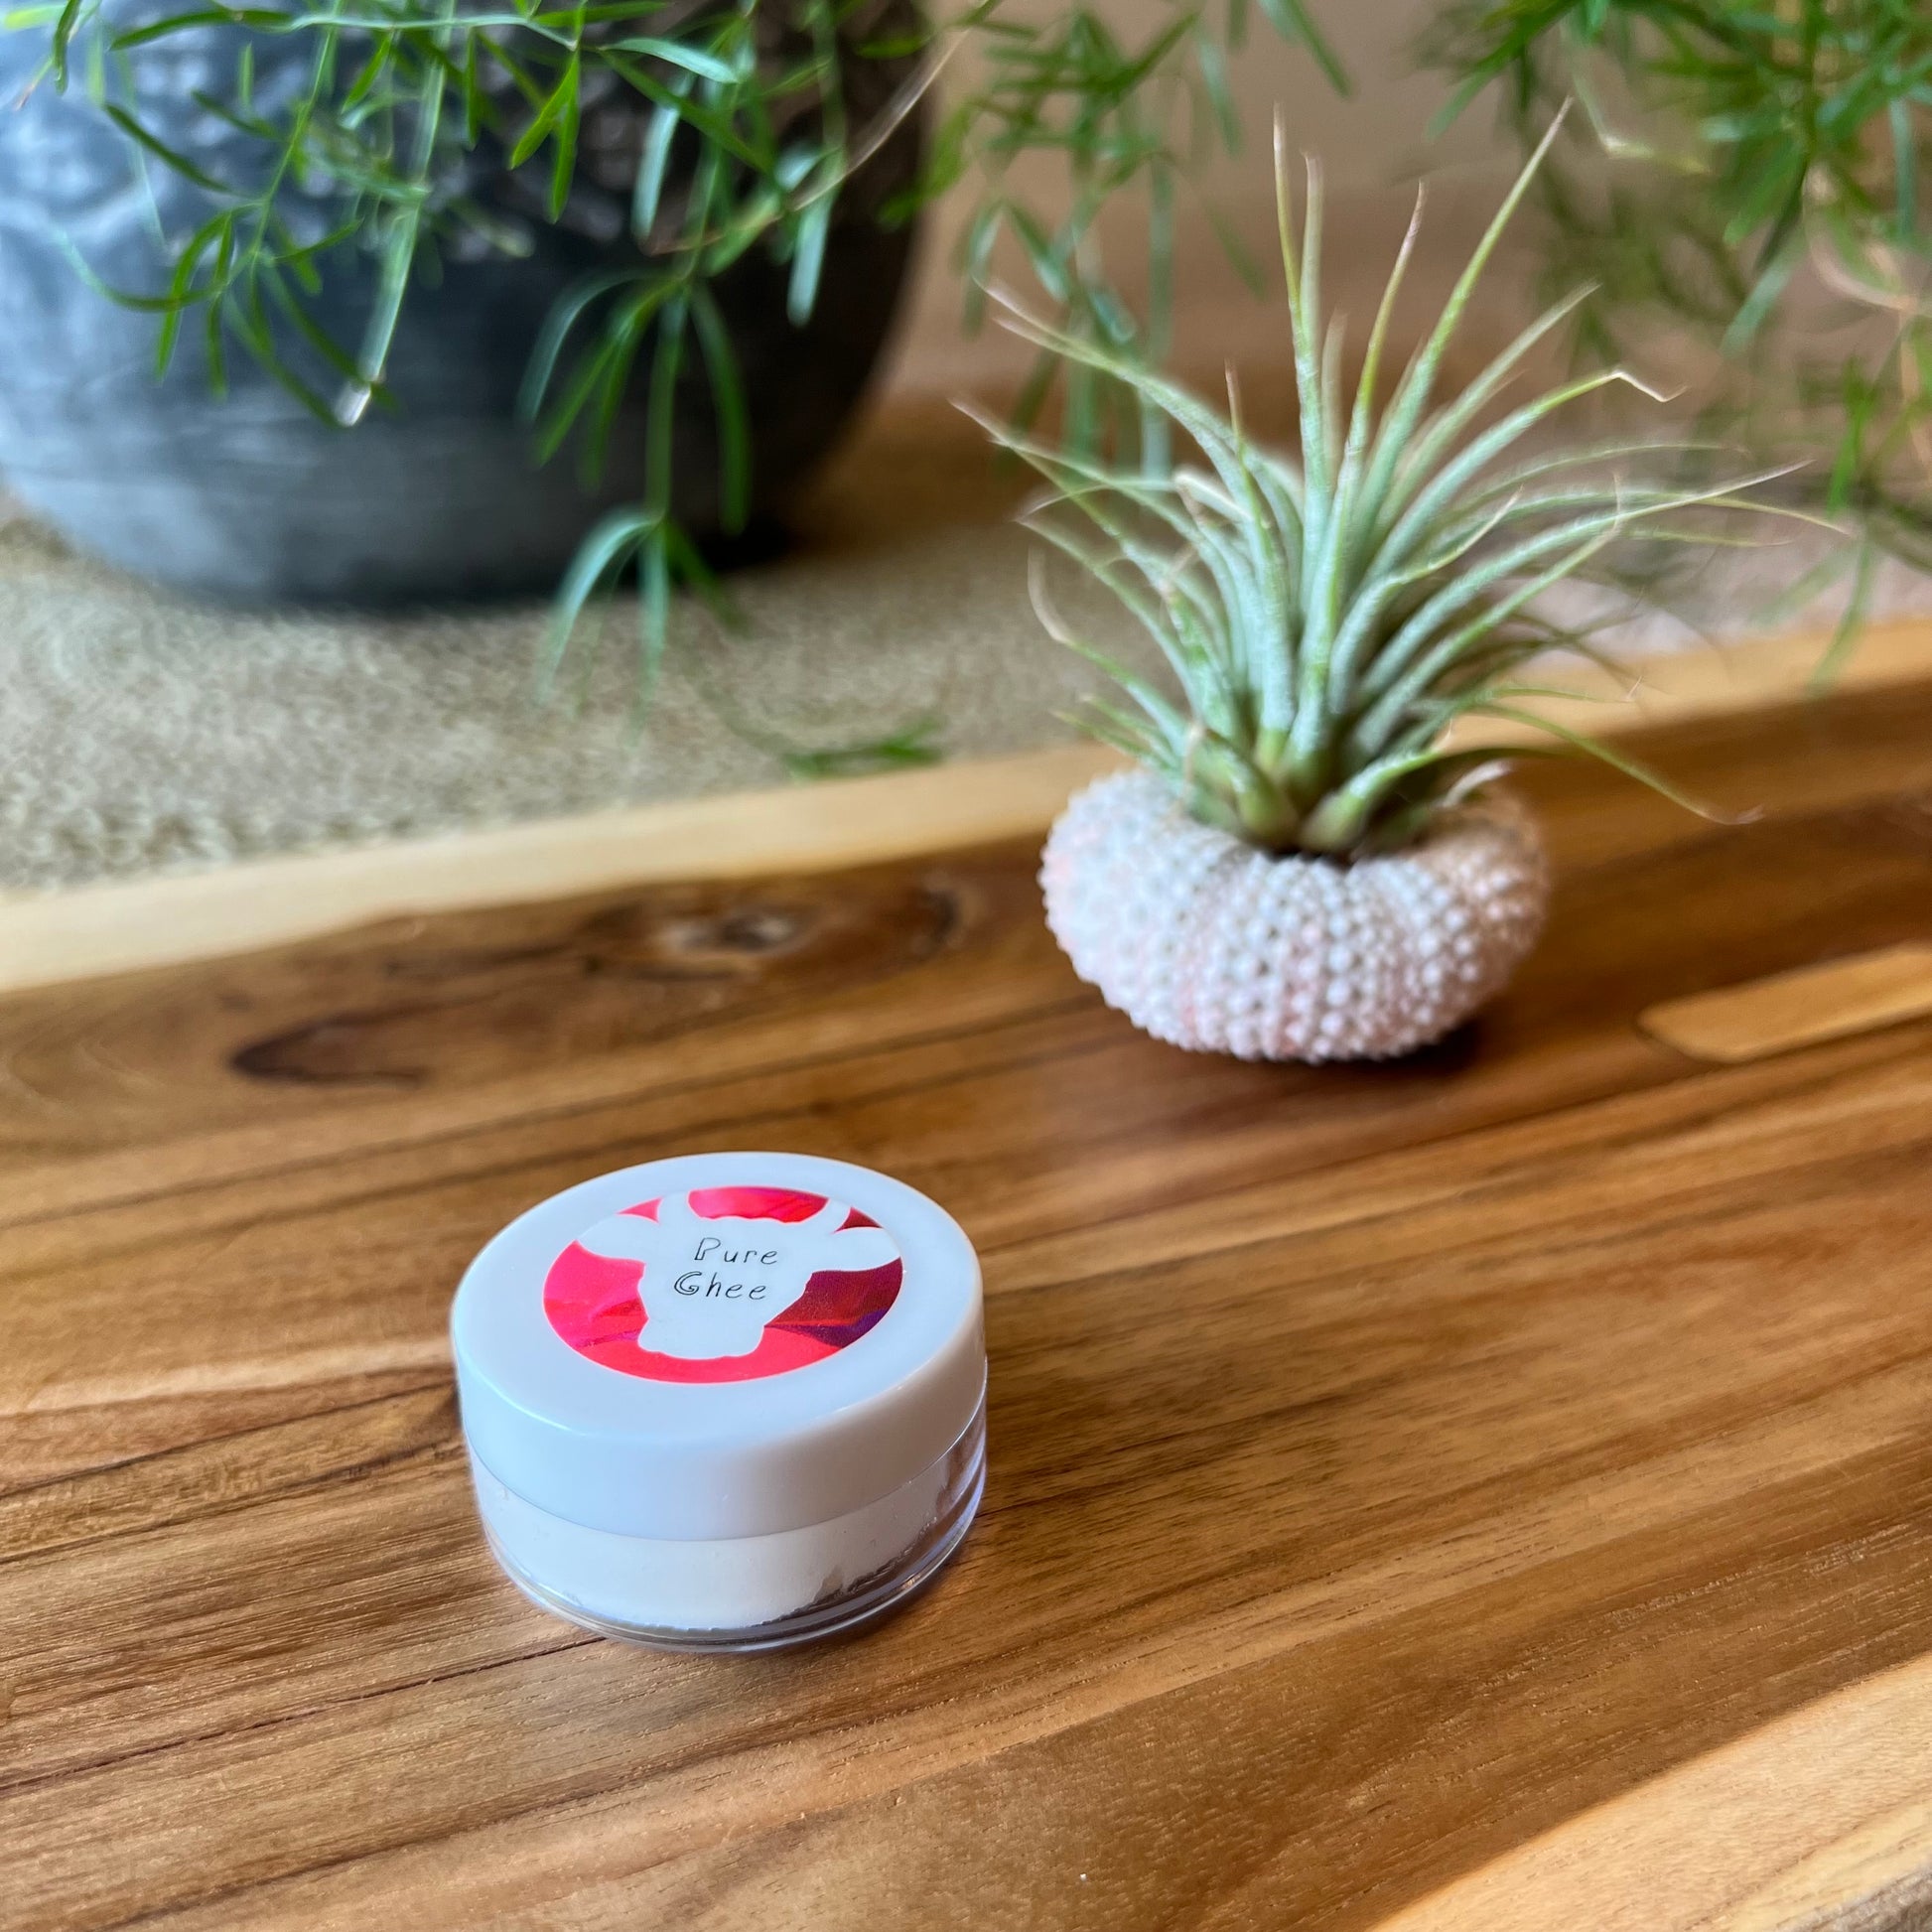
(171, 918)
(1822, 1818)
(180, 917)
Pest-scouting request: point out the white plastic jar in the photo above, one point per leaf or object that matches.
(725, 1402)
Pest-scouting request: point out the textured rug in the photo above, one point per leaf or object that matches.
(139, 733)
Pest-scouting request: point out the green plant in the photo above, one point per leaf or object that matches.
(1765, 188)
(754, 137)
(1328, 618)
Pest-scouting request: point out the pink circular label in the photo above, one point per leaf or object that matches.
(723, 1284)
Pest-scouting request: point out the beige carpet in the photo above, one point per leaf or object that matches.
(141, 733)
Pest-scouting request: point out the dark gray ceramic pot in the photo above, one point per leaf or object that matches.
(251, 497)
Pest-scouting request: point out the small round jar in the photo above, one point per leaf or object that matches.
(725, 1402)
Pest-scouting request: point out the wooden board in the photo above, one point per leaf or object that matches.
(1494, 1490)
(1798, 1008)
(171, 918)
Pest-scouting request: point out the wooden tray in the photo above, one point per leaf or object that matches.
(1489, 1491)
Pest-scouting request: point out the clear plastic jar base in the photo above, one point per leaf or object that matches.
(869, 1602)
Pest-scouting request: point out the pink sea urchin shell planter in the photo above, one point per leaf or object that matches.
(1209, 944)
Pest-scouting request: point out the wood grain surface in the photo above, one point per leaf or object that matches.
(1492, 1491)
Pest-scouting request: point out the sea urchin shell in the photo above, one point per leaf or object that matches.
(1211, 944)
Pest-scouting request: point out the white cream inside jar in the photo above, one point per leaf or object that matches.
(727, 1401)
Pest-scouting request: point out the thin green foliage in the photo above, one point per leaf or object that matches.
(1325, 618)
(1766, 190)
(1119, 118)
(750, 141)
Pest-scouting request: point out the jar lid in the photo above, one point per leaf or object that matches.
(719, 1345)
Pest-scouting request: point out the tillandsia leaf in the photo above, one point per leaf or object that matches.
(1361, 420)
(1203, 678)
(1090, 488)
(1340, 823)
(1249, 624)
(1594, 747)
(1361, 638)
(1414, 636)
(1163, 719)
(1533, 638)
(1412, 394)
(1455, 648)
(1438, 435)
(1587, 456)
(1300, 264)
(1161, 580)
(1451, 479)
(1126, 732)
(1102, 565)
(1212, 435)
(1171, 605)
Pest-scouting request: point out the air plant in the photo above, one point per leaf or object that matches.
(1326, 618)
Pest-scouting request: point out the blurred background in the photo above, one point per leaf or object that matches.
(399, 544)
(1374, 142)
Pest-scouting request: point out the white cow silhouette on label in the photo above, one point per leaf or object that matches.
(711, 1284)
